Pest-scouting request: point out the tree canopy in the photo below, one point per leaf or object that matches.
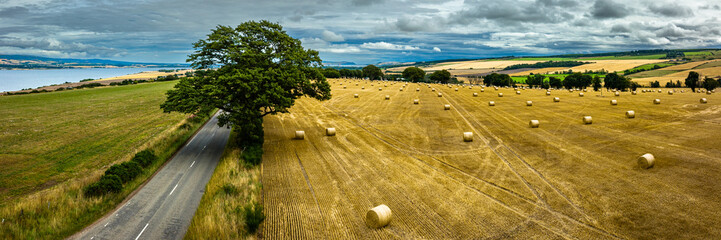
(495, 79)
(442, 76)
(692, 80)
(615, 81)
(372, 72)
(577, 80)
(535, 80)
(414, 74)
(260, 71)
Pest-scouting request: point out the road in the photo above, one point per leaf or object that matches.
(164, 207)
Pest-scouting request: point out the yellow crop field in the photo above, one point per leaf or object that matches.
(476, 65)
(704, 72)
(596, 65)
(145, 75)
(563, 180)
(686, 66)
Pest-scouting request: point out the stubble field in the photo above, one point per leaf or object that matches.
(564, 180)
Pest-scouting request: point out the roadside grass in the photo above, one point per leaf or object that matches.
(234, 186)
(71, 138)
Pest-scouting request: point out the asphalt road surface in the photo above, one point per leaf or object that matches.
(164, 207)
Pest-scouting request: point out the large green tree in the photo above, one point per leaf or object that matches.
(710, 84)
(372, 72)
(442, 76)
(692, 80)
(414, 74)
(252, 70)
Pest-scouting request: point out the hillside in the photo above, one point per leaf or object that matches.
(35, 62)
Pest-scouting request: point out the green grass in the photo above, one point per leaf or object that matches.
(55, 144)
(653, 73)
(651, 65)
(47, 138)
(656, 56)
(709, 65)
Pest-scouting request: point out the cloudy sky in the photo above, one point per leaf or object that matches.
(361, 31)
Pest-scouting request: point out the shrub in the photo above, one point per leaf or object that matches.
(253, 216)
(144, 158)
(230, 189)
(120, 171)
(106, 184)
(133, 169)
(253, 154)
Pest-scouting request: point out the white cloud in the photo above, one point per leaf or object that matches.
(387, 46)
(341, 49)
(436, 49)
(332, 37)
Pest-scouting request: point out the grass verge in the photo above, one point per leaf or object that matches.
(232, 193)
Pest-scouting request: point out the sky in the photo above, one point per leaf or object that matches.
(360, 31)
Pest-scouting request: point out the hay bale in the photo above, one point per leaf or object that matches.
(496, 88)
(630, 114)
(548, 93)
(659, 91)
(670, 92)
(580, 94)
(587, 120)
(388, 97)
(355, 95)
(570, 90)
(300, 135)
(475, 94)
(585, 90)
(703, 100)
(363, 87)
(456, 89)
(344, 87)
(418, 89)
(380, 89)
(379, 216)
(709, 92)
(556, 99)
(433, 89)
(468, 136)
(614, 102)
(529, 103)
(657, 101)
(330, 131)
(518, 92)
(401, 89)
(447, 107)
(440, 94)
(483, 90)
(491, 103)
(646, 161)
(534, 123)
(633, 93)
(500, 94)
(616, 93)
(416, 101)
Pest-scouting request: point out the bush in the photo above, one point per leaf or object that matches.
(253, 154)
(253, 216)
(133, 169)
(120, 171)
(144, 158)
(230, 189)
(106, 184)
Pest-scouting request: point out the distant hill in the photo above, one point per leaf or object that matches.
(36, 62)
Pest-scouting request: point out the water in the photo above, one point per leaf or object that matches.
(13, 80)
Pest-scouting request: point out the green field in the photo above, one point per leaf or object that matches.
(653, 73)
(522, 79)
(48, 138)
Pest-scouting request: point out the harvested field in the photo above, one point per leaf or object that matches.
(563, 180)
(704, 72)
(480, 64)
(608, 65)
(686, 66)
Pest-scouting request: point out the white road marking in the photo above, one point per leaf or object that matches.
(191, 165)
(191, 140)
(92, 238)
(106, 224)
(204, 147)
(141, 232)
(171, 191)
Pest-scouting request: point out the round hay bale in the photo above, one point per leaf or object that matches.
(670, 92)
(363, 87)
(709, 93)
(416, 101)
(646, 161)
(570, 90)
(616, 93)
(418, 89)
(379, 216)
(447, 107)
(657, 101)
(614, 102)
(491, 103)
(468, 136)
(344, 87)
(580, 94)
(659, 91)
(587, 120)
(470, 87)
(534, 123)
(585, 90)
(633, 93)
(518, 92)
(630, 114)
(475, 94)
(300, 135)
(401, 89)
(703, 100)
(380, 89)
(440, 94)
(556, 99)
(385, 85)
(355, 95)
(330, 131)
(356, 84)
(456, 89)
(433, 89)
(548, 93)
(388, 97)
(483, 90)
(500, 94)
(496, 88)
(529, 103)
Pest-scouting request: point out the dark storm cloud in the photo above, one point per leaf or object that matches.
(605, 9)
(620, 28)
(13, 12)
(506, 12)
(365, 2)
(672, 10)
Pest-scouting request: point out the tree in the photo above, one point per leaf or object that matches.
(261, 71)
(535, 80)
(596, 83)
(372, 72)
(331, 73)
(710, 84)
(442, 76)
(692, 80)
(414, 74)
(614, 81)
(495, 79)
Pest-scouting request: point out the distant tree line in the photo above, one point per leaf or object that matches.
(548, 64)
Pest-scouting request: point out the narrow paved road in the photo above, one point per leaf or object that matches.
(163, 208)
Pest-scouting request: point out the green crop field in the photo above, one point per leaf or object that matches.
(48, 138)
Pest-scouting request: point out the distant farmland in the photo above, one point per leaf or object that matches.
(565, 179)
